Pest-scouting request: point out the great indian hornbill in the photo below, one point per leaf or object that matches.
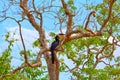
(55, 44)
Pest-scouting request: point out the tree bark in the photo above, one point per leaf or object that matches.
(53, 69)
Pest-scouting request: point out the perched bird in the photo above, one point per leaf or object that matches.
(54, 44)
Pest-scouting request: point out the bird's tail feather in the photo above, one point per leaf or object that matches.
(52, 56)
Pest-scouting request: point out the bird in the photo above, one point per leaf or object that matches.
(53, 46)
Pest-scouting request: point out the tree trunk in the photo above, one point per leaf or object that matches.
(53, 69)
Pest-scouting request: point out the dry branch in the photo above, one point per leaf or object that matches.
(88, 20)
(70, 17)
(53, 69)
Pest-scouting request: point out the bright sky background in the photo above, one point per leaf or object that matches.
(31, 35)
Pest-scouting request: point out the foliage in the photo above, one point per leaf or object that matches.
(35, 73)
(5, 61)
(85, 54)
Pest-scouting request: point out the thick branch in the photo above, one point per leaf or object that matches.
(70, 16)
(42, 51)
(23, 5)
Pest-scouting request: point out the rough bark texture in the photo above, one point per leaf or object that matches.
(53, 69)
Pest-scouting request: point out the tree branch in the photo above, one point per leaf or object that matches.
(23, 5)
(88, 20)
(109, 14)
(37, 64)
(13, 72)
(70, 17)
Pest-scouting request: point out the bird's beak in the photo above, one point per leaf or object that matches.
(61, 36)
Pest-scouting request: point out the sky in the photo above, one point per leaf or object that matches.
(30, 35)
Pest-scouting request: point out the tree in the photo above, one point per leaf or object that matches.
(86, 44)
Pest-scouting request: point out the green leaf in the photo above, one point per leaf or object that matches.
(52, 34)
(70, 2)
(74, 7)
(36, 43)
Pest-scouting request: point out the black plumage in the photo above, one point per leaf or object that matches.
(53, 46)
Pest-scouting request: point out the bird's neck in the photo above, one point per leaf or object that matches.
(57, 39)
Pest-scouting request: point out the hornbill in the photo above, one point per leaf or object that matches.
(54, 45)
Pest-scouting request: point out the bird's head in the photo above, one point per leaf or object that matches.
(57, 38)
(60, 37)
